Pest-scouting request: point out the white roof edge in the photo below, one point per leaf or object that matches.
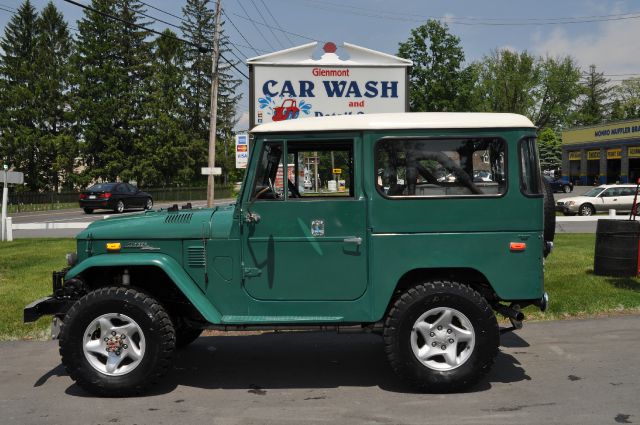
(402, 61)
(399, 121)
(282, 52)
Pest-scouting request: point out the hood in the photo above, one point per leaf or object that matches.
(578, 199)
(160, 224)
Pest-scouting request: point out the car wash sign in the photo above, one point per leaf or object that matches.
(305, 82)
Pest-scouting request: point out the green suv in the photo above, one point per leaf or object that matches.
(418, 227)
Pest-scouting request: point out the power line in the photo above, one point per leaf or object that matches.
(389, 15)
(116, 18)
(265, 22)
(164, 11)
(276, 21)
(255, 26)
(239, 32)
(277, 29)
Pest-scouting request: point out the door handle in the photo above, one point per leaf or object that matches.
(353, 239)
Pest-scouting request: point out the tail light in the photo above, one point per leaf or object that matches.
(105, 195)
(83, 196)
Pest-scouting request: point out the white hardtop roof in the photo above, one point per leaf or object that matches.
(398, 121)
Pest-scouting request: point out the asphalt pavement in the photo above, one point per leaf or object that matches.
(76, 215)
(561, 372)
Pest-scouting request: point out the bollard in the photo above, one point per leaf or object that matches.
(9, 226)
(612, 213)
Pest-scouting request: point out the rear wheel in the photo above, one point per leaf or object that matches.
(88, 210)
(116, 342)
(119, 207)
(441, 336)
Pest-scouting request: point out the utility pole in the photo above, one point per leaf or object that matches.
(214, 105)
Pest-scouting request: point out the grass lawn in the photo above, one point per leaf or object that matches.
(25, 276)
(26, 266)
(573, 288)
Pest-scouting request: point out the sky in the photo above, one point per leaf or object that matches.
(603, 32)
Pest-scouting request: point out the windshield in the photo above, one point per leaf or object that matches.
(101, 187)
(594, 192)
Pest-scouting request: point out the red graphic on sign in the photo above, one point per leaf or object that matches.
(287, 111)
(241, 148)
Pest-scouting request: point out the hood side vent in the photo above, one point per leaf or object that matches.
(178, 218)
(196, 256)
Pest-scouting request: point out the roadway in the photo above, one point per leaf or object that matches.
(76, 215)
(560, 372)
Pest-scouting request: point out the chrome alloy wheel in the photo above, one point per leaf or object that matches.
(114, 344)
(442, 338)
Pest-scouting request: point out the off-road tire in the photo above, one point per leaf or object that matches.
(418, 300)
(549, 231)
(153, 321)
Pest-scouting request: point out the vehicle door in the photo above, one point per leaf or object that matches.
(136, 199)
(301, 244)
(122, 194)
(625, 198)
(608, 199)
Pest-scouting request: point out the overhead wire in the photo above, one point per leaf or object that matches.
(265, 22)
(469, 21)
(277, 29)
(276, 21)
(200, 48)
(239, 32)
(255, 26)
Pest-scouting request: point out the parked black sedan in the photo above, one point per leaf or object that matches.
(557, 185)
(114, 196)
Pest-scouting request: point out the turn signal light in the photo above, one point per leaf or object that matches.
(114, 246)
(517, 246)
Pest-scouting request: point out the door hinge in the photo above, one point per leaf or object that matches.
(252, 272)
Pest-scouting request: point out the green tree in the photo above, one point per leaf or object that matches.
(543, 89)
(435, 78)
(626, 100)
(508, 81)
(111, 67)
(163, 152)
(198, 29)
(59, 148)
(550, 148)
(20, 138)
(593, 105)
(558, 90)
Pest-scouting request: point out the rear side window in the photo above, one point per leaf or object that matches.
(440, 167)
(530, 183)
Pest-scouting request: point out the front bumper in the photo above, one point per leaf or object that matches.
(43, 307)
(56, 304)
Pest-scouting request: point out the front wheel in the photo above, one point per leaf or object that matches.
(116, 342)
(441, 336)
(586, 210)
(149, 204)
(566, 188)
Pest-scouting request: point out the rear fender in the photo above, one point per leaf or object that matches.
(174, 271)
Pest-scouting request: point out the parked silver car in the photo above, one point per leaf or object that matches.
(601, 198)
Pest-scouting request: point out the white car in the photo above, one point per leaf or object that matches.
(601, 198)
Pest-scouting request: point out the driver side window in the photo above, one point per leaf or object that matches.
(269, 180)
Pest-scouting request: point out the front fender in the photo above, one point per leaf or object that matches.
(166, 263)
